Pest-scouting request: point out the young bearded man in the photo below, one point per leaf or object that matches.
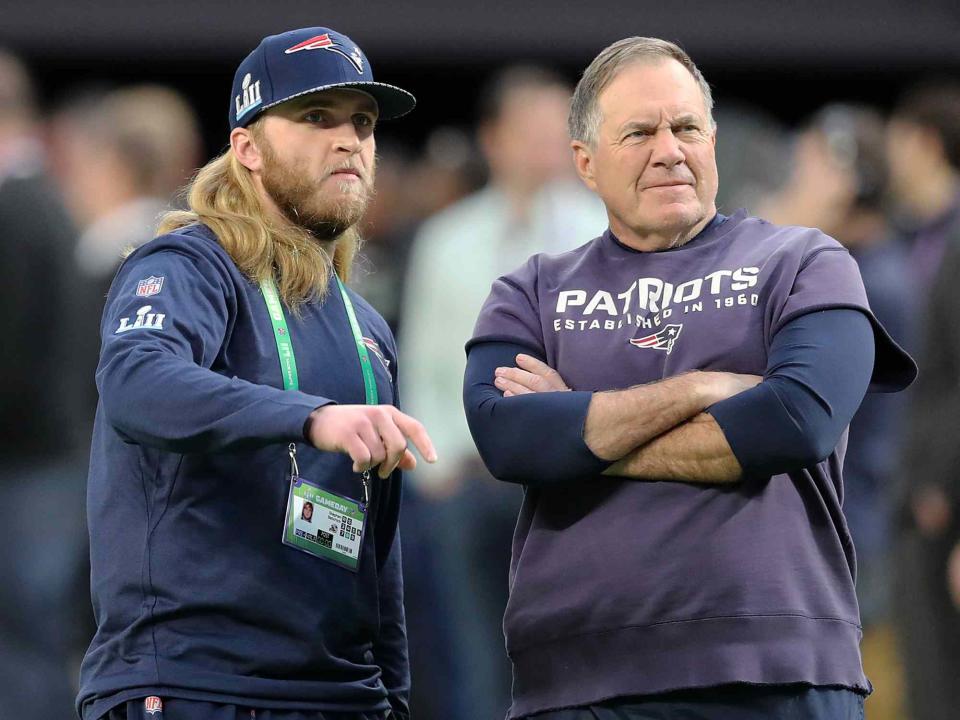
(239, 381)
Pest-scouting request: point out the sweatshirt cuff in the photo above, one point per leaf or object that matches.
(294, 413)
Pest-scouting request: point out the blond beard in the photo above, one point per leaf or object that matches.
(300, 200)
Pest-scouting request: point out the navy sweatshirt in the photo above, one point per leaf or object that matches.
(621, 587)
(195, 596)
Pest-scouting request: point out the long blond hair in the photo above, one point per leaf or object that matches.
(223, 197)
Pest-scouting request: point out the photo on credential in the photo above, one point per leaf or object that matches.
(306, 512)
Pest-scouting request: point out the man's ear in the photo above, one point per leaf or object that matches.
(583, 161)
(244, 146)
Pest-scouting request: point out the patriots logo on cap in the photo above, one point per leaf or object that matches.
(325, 42)
(662, 340)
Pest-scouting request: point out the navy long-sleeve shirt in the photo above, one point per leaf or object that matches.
(817, 372)
(195, 595)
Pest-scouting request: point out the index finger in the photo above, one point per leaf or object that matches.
(413, 429)
(531, 364)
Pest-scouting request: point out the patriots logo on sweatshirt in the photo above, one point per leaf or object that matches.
(662, 340)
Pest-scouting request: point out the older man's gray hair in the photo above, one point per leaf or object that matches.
(584, 120)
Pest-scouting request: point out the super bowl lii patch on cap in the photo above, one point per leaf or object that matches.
(305, 61)
(249, 97)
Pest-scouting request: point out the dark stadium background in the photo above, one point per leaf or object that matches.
(787, 58)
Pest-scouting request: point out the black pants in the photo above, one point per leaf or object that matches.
(174, 709)
(729, 702)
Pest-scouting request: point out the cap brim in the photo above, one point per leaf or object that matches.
(392, 102)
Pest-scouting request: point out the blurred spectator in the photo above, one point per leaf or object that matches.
(378, 269)
(408, 191)
(532, 204)
(41, 487)
(923, 147)
(838, 183)
(120, 157)
(752, 155)
(837, 166)
(448, 170)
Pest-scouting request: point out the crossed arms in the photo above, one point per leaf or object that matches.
(529, 429)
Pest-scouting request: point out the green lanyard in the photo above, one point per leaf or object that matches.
(288, 361)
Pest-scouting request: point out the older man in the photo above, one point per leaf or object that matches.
(681, 547)
(239, 382)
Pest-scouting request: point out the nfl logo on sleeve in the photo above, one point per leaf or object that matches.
(149, 286)
(153, 705)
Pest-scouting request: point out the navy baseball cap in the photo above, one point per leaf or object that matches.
(304, 61)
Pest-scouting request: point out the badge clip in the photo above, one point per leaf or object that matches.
(365, 479)
(294, 468)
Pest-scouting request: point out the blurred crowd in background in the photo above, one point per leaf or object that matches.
(86, 179)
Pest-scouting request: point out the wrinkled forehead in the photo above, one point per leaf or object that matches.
(654, 89)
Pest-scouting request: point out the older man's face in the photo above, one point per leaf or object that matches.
(653, 162)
